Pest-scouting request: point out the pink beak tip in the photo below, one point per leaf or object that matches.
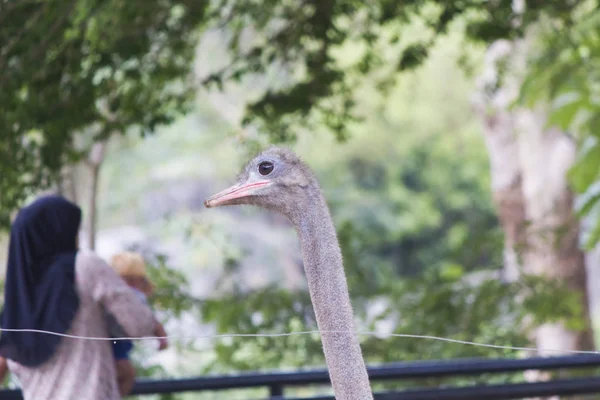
(231, 193)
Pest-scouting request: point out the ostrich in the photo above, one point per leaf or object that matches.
(278, 180)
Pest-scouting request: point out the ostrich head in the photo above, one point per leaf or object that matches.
(276, 179)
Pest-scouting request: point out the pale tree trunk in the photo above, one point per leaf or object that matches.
(491, 103)
(535, 205)
(553, 235)
(94, 163)
(506, 178)
(68, 183)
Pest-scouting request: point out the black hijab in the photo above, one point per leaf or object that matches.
(40, 290)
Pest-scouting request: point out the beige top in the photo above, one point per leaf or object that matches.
(85, 369)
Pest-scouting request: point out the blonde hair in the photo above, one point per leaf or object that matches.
(129, 263)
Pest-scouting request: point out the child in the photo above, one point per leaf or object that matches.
(131, 267)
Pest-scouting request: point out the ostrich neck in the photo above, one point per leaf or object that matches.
(329, 294)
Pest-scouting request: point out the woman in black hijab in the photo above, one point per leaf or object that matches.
(51, 286)
(40, 288)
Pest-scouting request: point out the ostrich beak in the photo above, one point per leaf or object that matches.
(234, 192)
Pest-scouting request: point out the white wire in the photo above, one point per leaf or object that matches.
(364, 333)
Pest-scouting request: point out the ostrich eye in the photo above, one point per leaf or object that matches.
(265, 167)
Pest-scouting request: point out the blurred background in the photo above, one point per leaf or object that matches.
(456, 143)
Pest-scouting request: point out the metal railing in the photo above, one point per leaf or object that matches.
(276, 382)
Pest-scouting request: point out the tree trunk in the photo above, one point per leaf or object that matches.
(67, 184)
(535, 205)
(553, 235)
(506, 174)
(95, 160)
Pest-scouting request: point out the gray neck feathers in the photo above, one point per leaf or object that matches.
(329, 294)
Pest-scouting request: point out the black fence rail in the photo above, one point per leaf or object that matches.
(276, 382)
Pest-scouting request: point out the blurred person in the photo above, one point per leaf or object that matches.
(52, 286)
(132, 269)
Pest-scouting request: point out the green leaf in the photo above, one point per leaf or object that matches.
(588, 204)
(594, 237)
(564, 109)
(593, 123)
(586, 170)
(452, 272)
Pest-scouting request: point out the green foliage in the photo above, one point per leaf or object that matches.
(564, 72)
(424, 216)
(269, 310)
(171, 294)
(540, 296)
(305, 37)
(439, 304)
(105, 66)
(85, 65)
